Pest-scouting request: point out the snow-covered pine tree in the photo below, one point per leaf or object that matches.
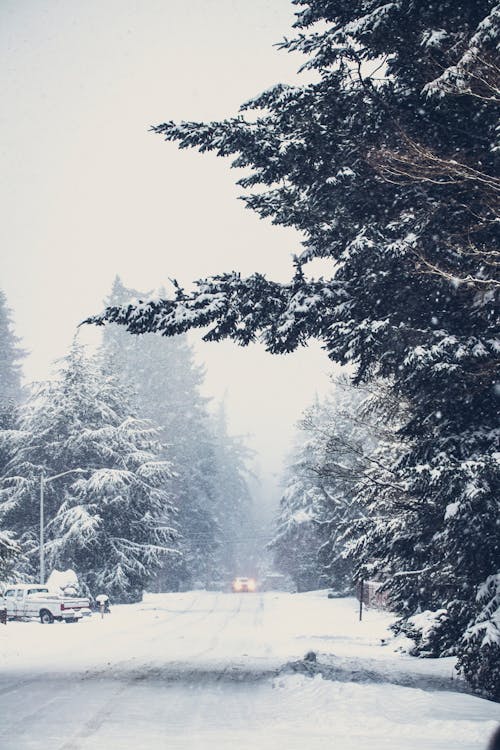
(11, 394)
(323, 511)
(344, 442)
(10, 437)
(478, 654)
(11, 391)
(234, 506)
(210, 489)
(296, 541)
(385, 163)
(9, 554)
(380, 538)
(108, 516)
(11, 357)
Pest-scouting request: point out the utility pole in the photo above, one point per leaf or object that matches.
(42, 531)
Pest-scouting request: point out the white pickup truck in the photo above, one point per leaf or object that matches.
(28, 600)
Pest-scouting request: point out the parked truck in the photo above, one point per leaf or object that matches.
(29, 600)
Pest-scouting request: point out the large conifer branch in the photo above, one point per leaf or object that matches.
(282, 316)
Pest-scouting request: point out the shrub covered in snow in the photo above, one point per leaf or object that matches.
(425, 630)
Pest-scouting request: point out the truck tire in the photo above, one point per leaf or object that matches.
(46, 617)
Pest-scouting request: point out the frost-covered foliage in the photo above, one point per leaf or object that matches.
(10, 438)
(11, 394)
(9, 555)
(319, 505)
(210, 488)
(11, 357)
(107, 515)
(386, 165)
(297, 539)
(338, 483)
(424, 630)
(234, 506)
(480, 648)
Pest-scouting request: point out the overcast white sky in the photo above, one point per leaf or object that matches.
(87, 192)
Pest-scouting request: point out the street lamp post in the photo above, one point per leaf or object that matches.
(43, 481)
(42, 540)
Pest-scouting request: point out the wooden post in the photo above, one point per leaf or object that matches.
(361, 595)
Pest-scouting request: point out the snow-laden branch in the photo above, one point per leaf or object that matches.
(282, 316)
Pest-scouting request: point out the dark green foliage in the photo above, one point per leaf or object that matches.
(480, 664)
(479, 652)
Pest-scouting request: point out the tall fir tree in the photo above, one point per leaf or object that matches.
(11, 357)
(234, 505)
(107, 510)
(11, 390)
(296, 541)
(209, 487)
(11, 395)
(324, 504)
(386, 164)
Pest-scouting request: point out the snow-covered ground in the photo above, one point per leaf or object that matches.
(206, 670)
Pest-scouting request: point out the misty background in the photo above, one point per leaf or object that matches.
(89, 193)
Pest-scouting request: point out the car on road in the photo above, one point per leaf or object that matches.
(241, 584)
(28, 600)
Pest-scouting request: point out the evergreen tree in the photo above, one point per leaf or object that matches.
(11, 391)
(210, 489)
(10, 359)
(234, 505)
(297, 541)
(385, 163)
(9, 554)
(106, 515)
(478, 654)
(11, 394)
(344, 442)
(379, 537)
(323, 511)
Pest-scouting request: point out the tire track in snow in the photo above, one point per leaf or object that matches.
(217, 636)
(94, 724)
(108, 636)
(171, 622)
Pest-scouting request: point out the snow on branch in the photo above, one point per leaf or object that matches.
(475, 73)
(282, 316)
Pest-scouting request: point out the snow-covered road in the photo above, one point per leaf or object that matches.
(205, 670)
